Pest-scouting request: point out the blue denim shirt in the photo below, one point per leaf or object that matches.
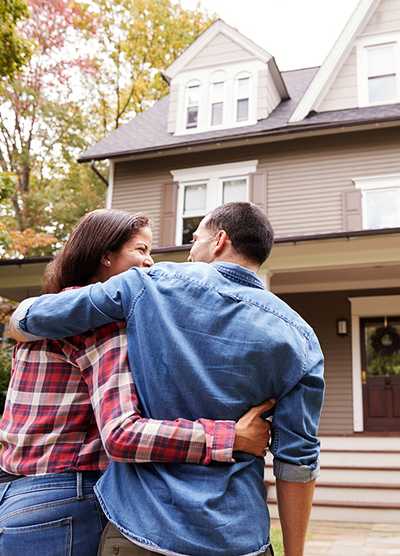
(204, 341)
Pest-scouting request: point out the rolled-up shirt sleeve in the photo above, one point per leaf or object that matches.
(75, 311)
(295, 445)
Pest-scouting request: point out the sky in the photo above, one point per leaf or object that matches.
(298, 33)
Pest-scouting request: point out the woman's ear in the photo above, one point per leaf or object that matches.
(105, 260)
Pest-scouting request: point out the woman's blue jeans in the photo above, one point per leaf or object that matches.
(50, 515)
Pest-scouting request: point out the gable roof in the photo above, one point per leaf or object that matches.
(148, 130)
(335, 59)
(219, 26)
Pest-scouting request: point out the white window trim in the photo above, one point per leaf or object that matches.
(362, 66)
(192, 83)
(110, 189)
(244, 75)
(224, 99)
(376, 306)
(213, 176)
(371, 183)
(206, 77)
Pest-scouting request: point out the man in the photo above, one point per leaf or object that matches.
(207, 340)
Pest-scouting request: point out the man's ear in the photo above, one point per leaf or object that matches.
(222, 240)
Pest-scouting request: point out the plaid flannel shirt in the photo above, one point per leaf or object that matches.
(72, 404)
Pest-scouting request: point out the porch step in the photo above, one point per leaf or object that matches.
(359, 480)
(350, 494)
(350, 475)
(361, 459)
(360, 513)
(361, 443)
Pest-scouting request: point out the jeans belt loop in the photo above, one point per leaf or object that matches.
(79, 485)
(3, 490)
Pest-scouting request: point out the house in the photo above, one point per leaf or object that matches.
(319, 150)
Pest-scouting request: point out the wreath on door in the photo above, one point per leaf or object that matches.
(386, 340)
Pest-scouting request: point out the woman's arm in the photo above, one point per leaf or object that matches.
(128, 437)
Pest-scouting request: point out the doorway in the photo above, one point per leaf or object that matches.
(380, 364)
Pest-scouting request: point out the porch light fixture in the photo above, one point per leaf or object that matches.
(342, 327)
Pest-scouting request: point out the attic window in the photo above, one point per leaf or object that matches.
(242, 98)
(192, 105)
(378, 71)
(382, 79)
(217, 102)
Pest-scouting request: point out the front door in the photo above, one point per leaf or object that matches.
(380, 352)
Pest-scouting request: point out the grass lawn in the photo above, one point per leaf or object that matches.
(276, 540)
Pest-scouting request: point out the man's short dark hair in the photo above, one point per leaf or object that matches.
(248, 229)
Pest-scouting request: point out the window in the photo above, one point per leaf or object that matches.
(234, 190)
(211, 98)
(217, 102)
(379, 69)
(204, 188)
(382, 78)
(243, 99)
(380, 201)
(194, 208)
(192, 105)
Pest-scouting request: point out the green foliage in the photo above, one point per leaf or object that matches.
(65, 98)
(14, 50)
(382, 365)
(277, 541)
(5, 365)
(136, 40)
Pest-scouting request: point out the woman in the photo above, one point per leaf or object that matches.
(71, 405)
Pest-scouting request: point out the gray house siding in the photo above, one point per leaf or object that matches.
(343, 93)
(138, 190)
(306, 180)
(385, 20)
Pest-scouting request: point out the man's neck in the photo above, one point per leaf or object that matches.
(245, 263)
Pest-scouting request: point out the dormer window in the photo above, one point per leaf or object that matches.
(217, 99)
(242, 98)
(382, 78)
(212, 99)
(379, 70)
(192, 105)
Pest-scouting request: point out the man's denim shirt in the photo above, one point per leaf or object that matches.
(204, 341)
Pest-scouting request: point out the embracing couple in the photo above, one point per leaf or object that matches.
(164, 371)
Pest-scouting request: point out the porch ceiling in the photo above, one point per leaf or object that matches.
(335, 253)
(368, 277)
(21, 279)
(351, 262)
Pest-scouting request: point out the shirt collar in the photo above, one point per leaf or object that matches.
(239, 274)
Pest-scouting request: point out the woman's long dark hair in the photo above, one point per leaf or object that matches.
(98, 233)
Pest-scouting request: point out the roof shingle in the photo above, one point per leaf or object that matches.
(148, 130)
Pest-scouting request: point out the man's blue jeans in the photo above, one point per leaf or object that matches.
(51, 515)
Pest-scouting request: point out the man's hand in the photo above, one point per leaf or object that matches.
(252, 431)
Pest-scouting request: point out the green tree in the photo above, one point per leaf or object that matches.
(14, 50)
(66, 97)
(135, 41)
(42, 128)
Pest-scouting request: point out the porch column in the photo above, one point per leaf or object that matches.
(267, 279)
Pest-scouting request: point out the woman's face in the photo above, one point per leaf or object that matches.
(134, 252)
